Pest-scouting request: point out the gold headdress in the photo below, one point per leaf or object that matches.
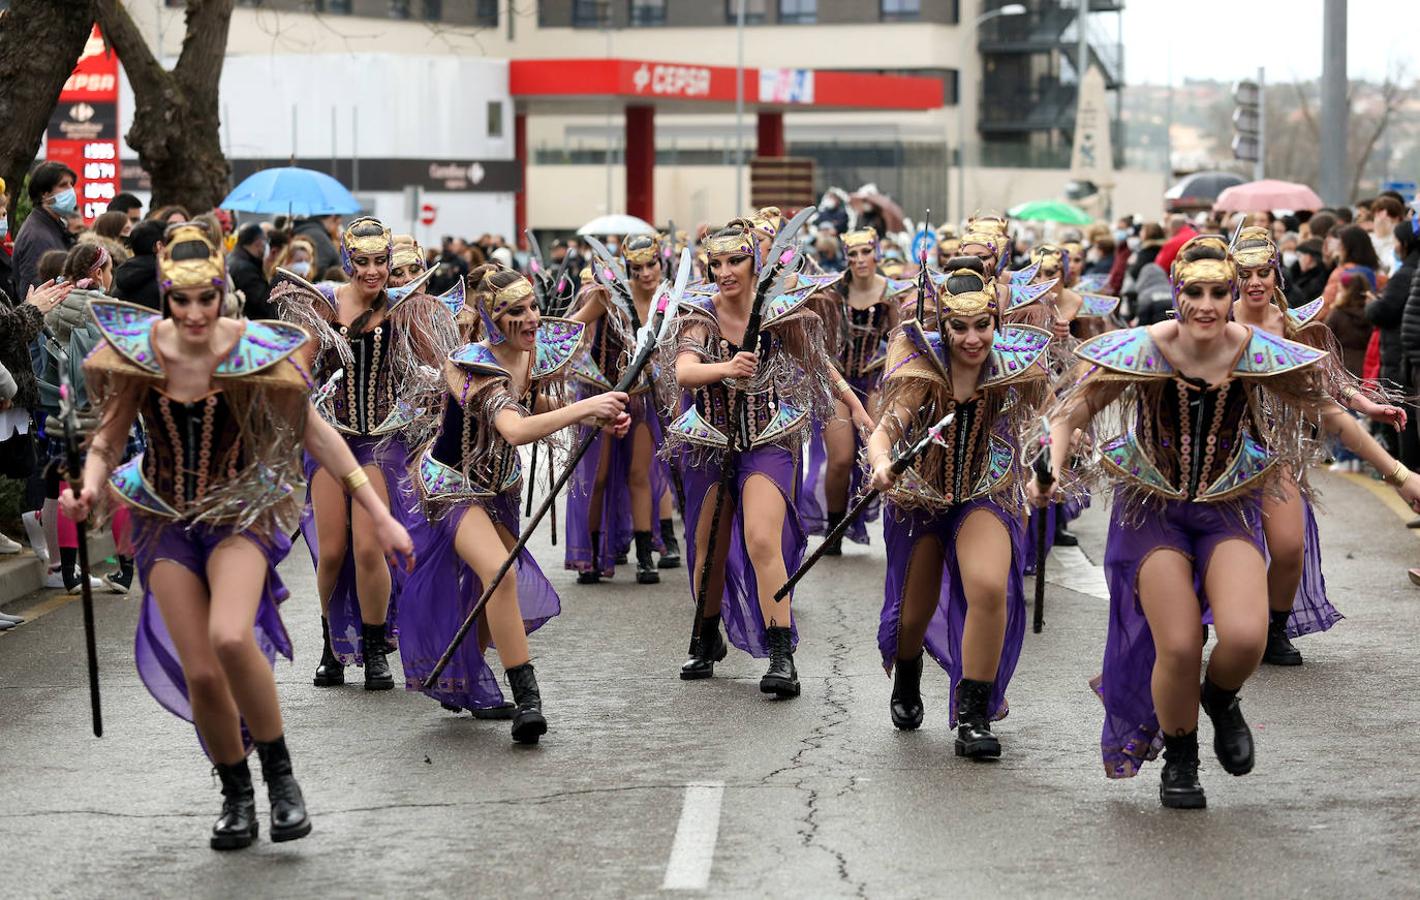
(406, 252)
(586, 276)
(968, 301)
(767, 221)
(990, 223)
(364, 236)
(1254, 247)
(189, 258)
(1051, 258)
(642, 256)
(863, 237)
(505, 297)
(988, 239)
(740, 243)
(1186, 272)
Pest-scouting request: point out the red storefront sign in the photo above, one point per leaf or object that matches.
(83, 129)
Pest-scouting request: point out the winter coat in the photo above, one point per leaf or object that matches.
(246, 274)
(1353, 333)
(326, 254)
(40, 234)
(1387, 313)
(19, 325)
(1304, 287)
(1154, 296)
(1410, 320)
(136, 281)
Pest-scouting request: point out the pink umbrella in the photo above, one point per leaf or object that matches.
(1268, 193)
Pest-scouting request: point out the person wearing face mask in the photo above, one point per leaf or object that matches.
(299, 258)
(1189, 470)
(375, 361)
(214, 498)
(500, 392)
(953, 522)
(245, 266)
(51, 192)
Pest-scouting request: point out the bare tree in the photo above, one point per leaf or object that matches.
(175, 121)
(39, 42)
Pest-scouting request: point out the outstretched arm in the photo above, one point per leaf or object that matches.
(330, 450)
(1355, 439)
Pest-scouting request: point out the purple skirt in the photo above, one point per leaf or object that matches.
(740, 602)
(902, 529)
(812, 500)
(1131, 734)
(1070, 510)
(344, 609)
(156, 539)
(615, 526)
(1311, 611)
(441, 592)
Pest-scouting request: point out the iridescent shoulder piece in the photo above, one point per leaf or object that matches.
(1091, 284)
(780, 307)
(1024, 276)
(1129, 350)
(478, 360)
(261, 346)
(322, 294)
(1096, 306)
(1267, 354)
(128, 328)
(926, 345)
(453, 298)
(896, 287)
(817, 282)
(398, 295)
(133, 489)
(558, 341)
(1306, 314)
(700, 289)
(1026, 294)
(1014, 351)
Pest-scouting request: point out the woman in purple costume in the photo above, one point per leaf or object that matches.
(499, 393)
(786, 379)
(213, 498)
(1296, 590)
(870, 305)
(621, 486)
(376, 360)
(1215, 413)
(953, 522)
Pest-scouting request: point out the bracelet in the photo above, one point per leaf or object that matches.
(843, 386)
(1396, 478)
(355, 480)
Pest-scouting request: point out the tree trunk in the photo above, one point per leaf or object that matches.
(30, 81)
(176, 126)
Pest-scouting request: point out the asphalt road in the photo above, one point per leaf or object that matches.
(645, 781)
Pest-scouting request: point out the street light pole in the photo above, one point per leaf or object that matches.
(1010, 9)
(1333, 103)
(739, 104)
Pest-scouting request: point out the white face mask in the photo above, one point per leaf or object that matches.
(1133, 242)
(302, 268)
(1289, 258)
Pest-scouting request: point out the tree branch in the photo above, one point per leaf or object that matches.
(204, 47)
(144, 71)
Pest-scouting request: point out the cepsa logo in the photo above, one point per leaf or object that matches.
(672, 81)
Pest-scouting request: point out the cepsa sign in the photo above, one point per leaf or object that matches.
(83, 129)
(671, 81)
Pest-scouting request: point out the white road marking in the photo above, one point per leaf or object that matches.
(693, 852)
(1068, 567)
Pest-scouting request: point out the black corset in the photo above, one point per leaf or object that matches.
(713, 401)
(365, 396)
(460, 436)
(955, 466)
(191, 448)
(1195, 431)
(865, 337)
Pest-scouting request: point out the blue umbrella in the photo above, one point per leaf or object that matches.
(291, 190)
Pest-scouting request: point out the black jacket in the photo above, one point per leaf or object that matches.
(1387, 312)
(40, 234)
(137, 282)
(1410, 319)
(19, 325)
(1304, 287)
(246, 274)
(326, 253)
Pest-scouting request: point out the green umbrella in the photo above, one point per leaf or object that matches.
(1051, 211)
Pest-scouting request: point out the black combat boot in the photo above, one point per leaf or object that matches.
(119, 582)
(236, 827)
(594, 574)
(528, 722)
(1232, 739)
(1178, 783)
(670, 559)
(288, 808)
(782, 679)
(1280, 651)
(331, 671)
(1063, 536)
(974, 737)
(377, 669)
(906, 704)
(645, 566)
(712, 649)
(834, 547)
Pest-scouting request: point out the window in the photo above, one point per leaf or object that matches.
(901, 10)
(756, 11)
(495, 118)
(433, 10)
(798, 12)
(591, 14)
(648, 12)
(485, 13)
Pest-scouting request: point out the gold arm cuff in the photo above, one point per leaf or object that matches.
(355, 480)
(1399, 476)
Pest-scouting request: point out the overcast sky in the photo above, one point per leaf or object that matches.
(1229, 39)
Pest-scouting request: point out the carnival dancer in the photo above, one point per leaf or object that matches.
(779, 382)
(1296, 588)
(213, 500)
(1216, 412)
(953, 521)
(375, 360)
(621, 485)
(406, 261)
(501, 392)
(869, 307)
